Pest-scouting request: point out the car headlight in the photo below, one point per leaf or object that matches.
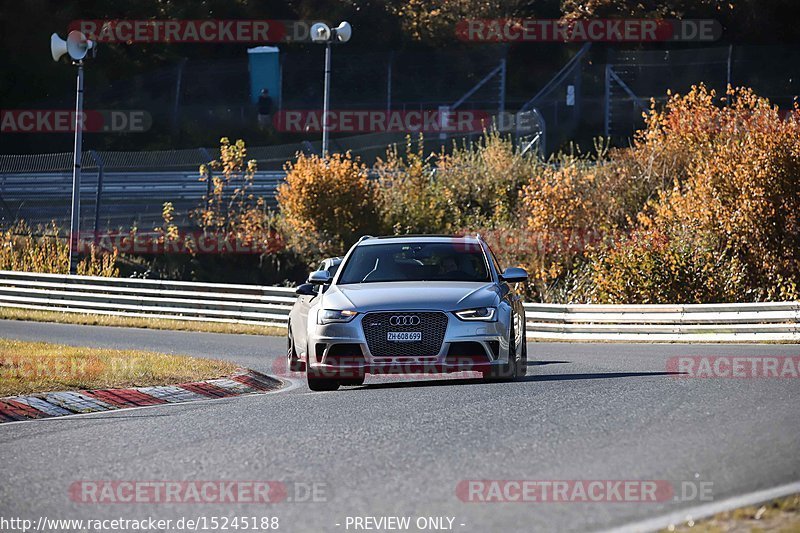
(479, 313)
(329, 316)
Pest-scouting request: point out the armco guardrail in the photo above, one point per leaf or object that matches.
(260, 305)
(751, 322)
(207, 302)
(126, 198)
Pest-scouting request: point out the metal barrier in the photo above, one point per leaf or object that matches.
(749, 322)
(128, 198)
(120, 190)
(260, 305)
(143, 298)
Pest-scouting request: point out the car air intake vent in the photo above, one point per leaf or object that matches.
(495, 347)
(345, 355)
(463, 352)
(430, 325)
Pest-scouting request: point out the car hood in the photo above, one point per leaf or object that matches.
(440, 295)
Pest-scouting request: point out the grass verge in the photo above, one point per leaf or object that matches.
(781, 515)
(28, 367)
(7, 313)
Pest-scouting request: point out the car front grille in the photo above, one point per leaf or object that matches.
(432, 325)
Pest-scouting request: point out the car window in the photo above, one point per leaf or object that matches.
(447, 261)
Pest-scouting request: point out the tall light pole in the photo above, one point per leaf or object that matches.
(321, 33)
(76, 46)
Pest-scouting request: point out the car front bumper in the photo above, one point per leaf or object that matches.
(343, 349)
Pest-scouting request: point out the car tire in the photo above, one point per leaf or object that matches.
(522, 364)
(292, 361)
(507, 371)
(319, 382)
(352, 382)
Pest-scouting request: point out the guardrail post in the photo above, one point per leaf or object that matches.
(797, 319)
(207, 157)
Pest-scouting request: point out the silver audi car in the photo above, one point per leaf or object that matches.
(408, 304)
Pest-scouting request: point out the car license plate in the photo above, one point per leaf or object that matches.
(404, 336)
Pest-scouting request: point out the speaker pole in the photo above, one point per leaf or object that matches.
(326, 100)
(75, 225)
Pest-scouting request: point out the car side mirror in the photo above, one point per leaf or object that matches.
(514, 275)
(319, 277)
(306, 289)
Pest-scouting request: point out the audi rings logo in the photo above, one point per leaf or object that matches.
(404, 320)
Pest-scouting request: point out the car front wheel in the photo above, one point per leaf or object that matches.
(319, 381)
(355, 381)
(522, 364)
(292, 360)
(514, 367)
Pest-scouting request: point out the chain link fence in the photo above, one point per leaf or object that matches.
(634, 77)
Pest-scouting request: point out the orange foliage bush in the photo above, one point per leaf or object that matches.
(474, 186)
(703, 207)
(568, 208)
(732, 213)
(650, 266)
(327, 203)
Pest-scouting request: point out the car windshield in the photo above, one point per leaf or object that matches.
(439, 261)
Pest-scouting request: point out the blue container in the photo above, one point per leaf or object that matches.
(265, 73)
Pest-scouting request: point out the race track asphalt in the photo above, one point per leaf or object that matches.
(400, 447)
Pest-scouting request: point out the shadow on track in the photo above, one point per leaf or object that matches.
(549, 377)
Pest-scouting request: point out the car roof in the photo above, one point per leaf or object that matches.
(411, 239)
